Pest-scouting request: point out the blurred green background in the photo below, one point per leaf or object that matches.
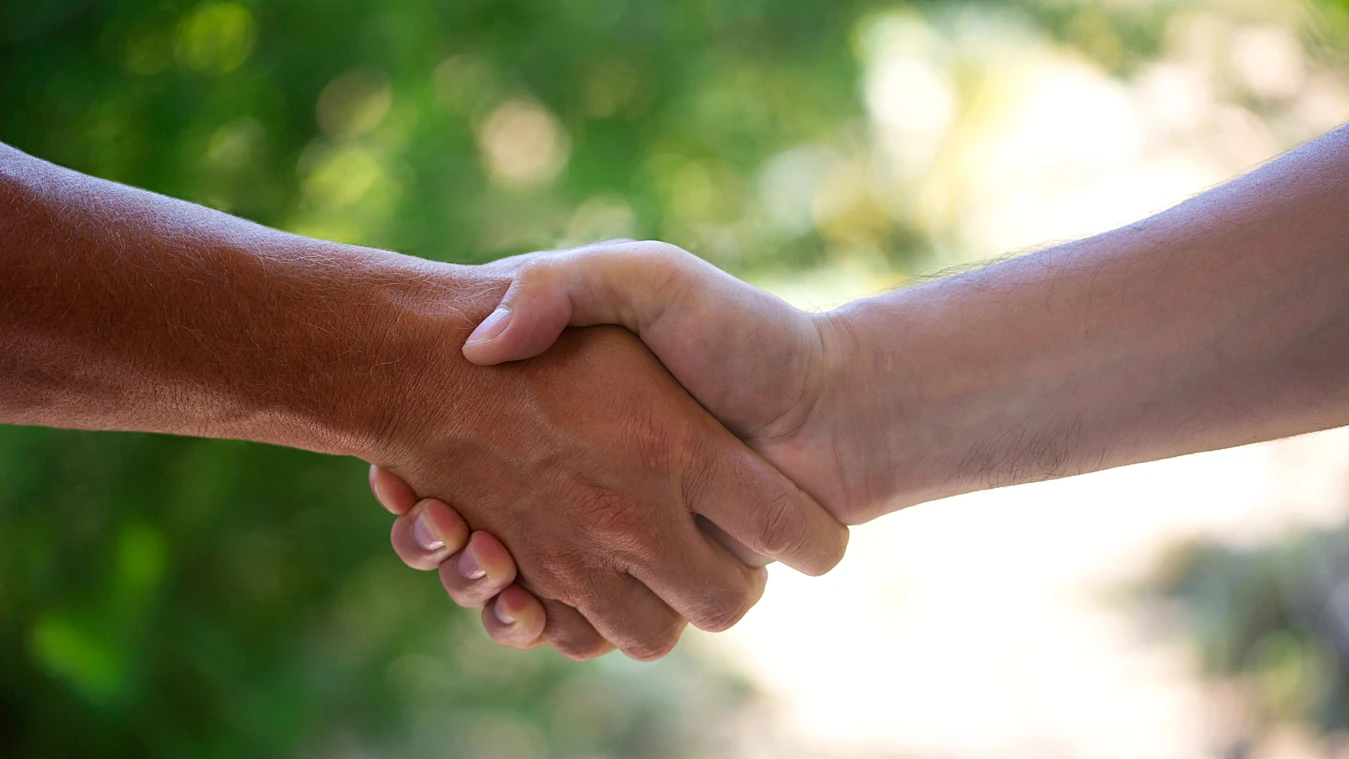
(170, 597)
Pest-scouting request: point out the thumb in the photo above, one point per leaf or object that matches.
(612, 283)
(529, 319)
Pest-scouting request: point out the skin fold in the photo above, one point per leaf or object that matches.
(1219, 322)
(125, 310)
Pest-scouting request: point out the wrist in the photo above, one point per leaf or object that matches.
(897, 441)
(929, 395)
(385, 344)
(126, 310)
(989, 379)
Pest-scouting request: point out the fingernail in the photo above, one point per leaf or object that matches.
(424, 535)
(491, 326)
(504, 616)
(469, 567)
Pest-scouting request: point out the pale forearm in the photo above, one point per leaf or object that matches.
(1220, 322)
(121, 309)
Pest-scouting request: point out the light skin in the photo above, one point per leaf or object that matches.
(1220, 322)
(125, 310)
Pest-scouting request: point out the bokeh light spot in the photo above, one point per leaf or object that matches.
(149, 52)
(523, 144)
(342, 176)
(79, 655)
(233, 145)
(603, 217)
(354, 103)
(1269, 61)
(788, 183)
(216, 38)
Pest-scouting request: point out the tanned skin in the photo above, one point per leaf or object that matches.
(125, 310)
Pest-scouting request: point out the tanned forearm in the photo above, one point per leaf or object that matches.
(1220, 322)
(125, 310)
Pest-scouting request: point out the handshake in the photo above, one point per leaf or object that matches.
(634, 506)
(622, 483)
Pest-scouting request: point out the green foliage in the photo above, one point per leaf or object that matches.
(170, 597)
(216, 103)
(1273, 618)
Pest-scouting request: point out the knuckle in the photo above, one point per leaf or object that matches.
(672, 268)
(654, 439)
(571, 636)
(580, 650)
(608, 512)
(562, 574)
(609, 520)
(782, 527)
(536, 270)
(723, 611)
(660, 252)
(657, 643)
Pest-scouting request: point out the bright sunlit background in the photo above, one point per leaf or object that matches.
(167, 597)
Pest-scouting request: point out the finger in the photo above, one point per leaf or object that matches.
(736, 548)
(703, 582)
(623, 283)
(763, 510)
(634, 619)
(515, 619)
(390, 490)
(428, 534)
(571, 633)
(479, 572)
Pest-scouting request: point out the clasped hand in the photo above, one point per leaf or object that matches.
(670, 517)
(605, 493)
